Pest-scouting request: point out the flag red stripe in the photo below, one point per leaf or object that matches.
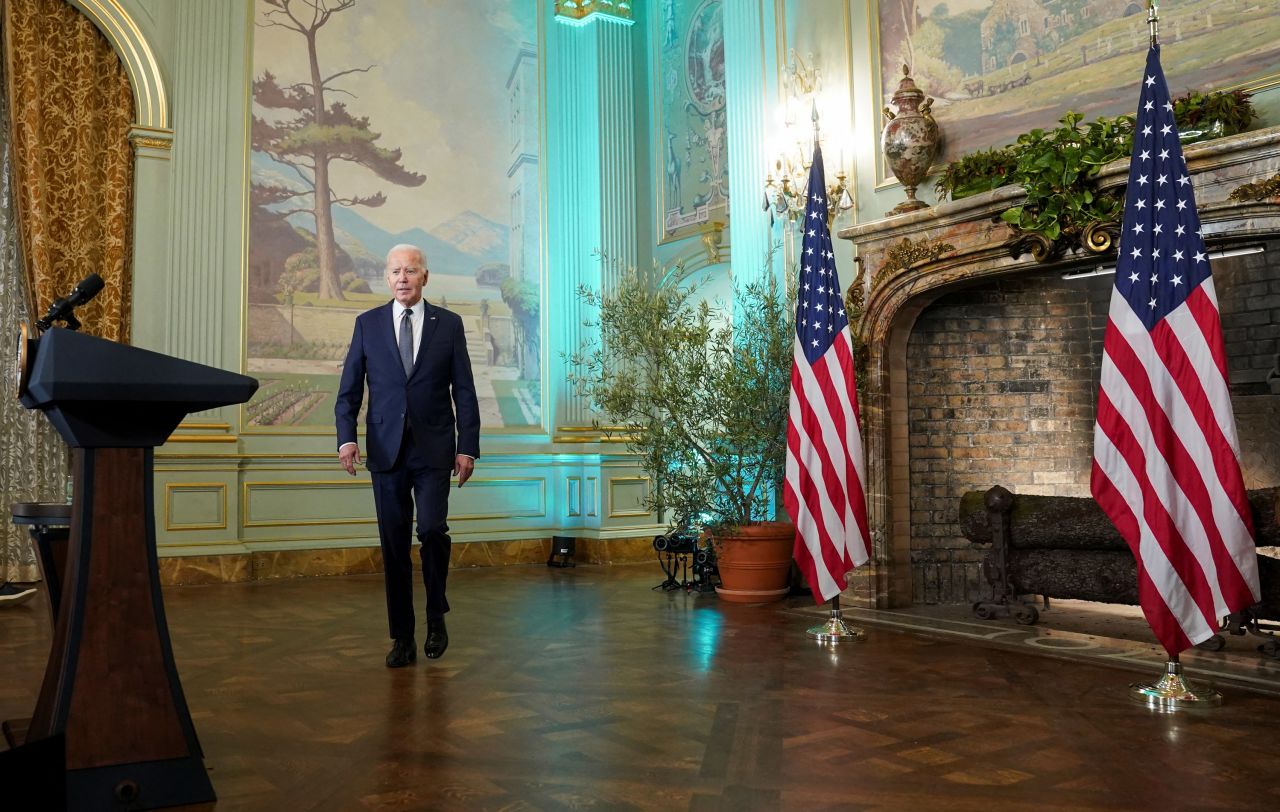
(1149, 554)
(1230, 482)
(833, 549)
(804, 559)
(1225, 449)
(852, 496)
(1205, 310)
(834, 477)
(806, 489)
(811, 526)
(824, 490)
(845, 351)
(1154, 512)
(1159, 616)
(1230, 584)
(853, 446)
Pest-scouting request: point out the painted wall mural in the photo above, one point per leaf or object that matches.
(377, 122)
(690, 93)
(998, 68)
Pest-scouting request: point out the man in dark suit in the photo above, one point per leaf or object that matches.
(413, 356)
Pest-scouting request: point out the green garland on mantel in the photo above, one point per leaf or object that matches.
(1057, 168)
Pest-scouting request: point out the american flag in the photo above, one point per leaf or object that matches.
(825, 471)
(1166, 464)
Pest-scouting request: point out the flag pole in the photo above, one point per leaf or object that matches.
(835, 630)
(1153, 22)
(1173, 693)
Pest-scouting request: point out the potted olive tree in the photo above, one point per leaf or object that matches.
(705, 386)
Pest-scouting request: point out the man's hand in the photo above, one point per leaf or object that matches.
(349, 456)
(462, 468)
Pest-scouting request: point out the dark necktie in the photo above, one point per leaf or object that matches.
(406, 341)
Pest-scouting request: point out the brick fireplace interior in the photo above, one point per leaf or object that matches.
(1001, 380)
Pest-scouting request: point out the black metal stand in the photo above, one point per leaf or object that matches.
(705, 571)
(999, 501)
(561, 560)
(562, 548)
(49, 524)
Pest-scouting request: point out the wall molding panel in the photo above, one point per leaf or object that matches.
(195, 506)
(627, 497)
(307, 503)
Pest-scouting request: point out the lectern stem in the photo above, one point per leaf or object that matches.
(111, 686)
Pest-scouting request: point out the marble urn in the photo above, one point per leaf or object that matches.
(910, 139)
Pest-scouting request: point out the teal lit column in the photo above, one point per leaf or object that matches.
(751, 92)
(592, 170)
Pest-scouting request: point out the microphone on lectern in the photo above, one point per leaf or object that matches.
(62, 309)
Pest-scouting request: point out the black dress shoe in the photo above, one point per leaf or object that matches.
(403, 652)
(437, 639)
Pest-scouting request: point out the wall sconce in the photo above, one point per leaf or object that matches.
(786, 192)
(786, 195)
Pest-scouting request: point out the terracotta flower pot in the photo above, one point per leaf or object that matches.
(755, 562)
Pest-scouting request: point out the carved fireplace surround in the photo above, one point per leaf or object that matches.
(914, 259)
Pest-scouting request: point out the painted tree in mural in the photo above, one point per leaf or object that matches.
(311, 133)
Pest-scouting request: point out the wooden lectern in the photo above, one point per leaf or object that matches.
(111, 687)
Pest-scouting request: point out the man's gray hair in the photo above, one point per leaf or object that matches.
(404, 246)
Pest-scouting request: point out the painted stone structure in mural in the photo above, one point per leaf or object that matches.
(997, 68)
(363, 137)
(694, 169)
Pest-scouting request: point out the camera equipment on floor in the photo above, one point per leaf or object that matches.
(682, 551)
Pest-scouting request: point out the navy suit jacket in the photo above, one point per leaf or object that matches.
(438, 400)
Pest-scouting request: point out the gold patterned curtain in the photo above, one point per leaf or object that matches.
(32, 455)
(66, 210)
(71, 109)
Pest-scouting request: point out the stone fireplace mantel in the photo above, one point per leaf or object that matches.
(913, 259)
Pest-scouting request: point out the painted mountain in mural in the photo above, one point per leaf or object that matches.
(457, 247)
(474, 235)
(479, 241)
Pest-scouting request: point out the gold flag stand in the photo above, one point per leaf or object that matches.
(835, 630)
(1172, 693)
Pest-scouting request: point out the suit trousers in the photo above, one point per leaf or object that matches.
(411, 481)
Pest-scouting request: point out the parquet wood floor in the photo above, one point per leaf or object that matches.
(583, 689)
